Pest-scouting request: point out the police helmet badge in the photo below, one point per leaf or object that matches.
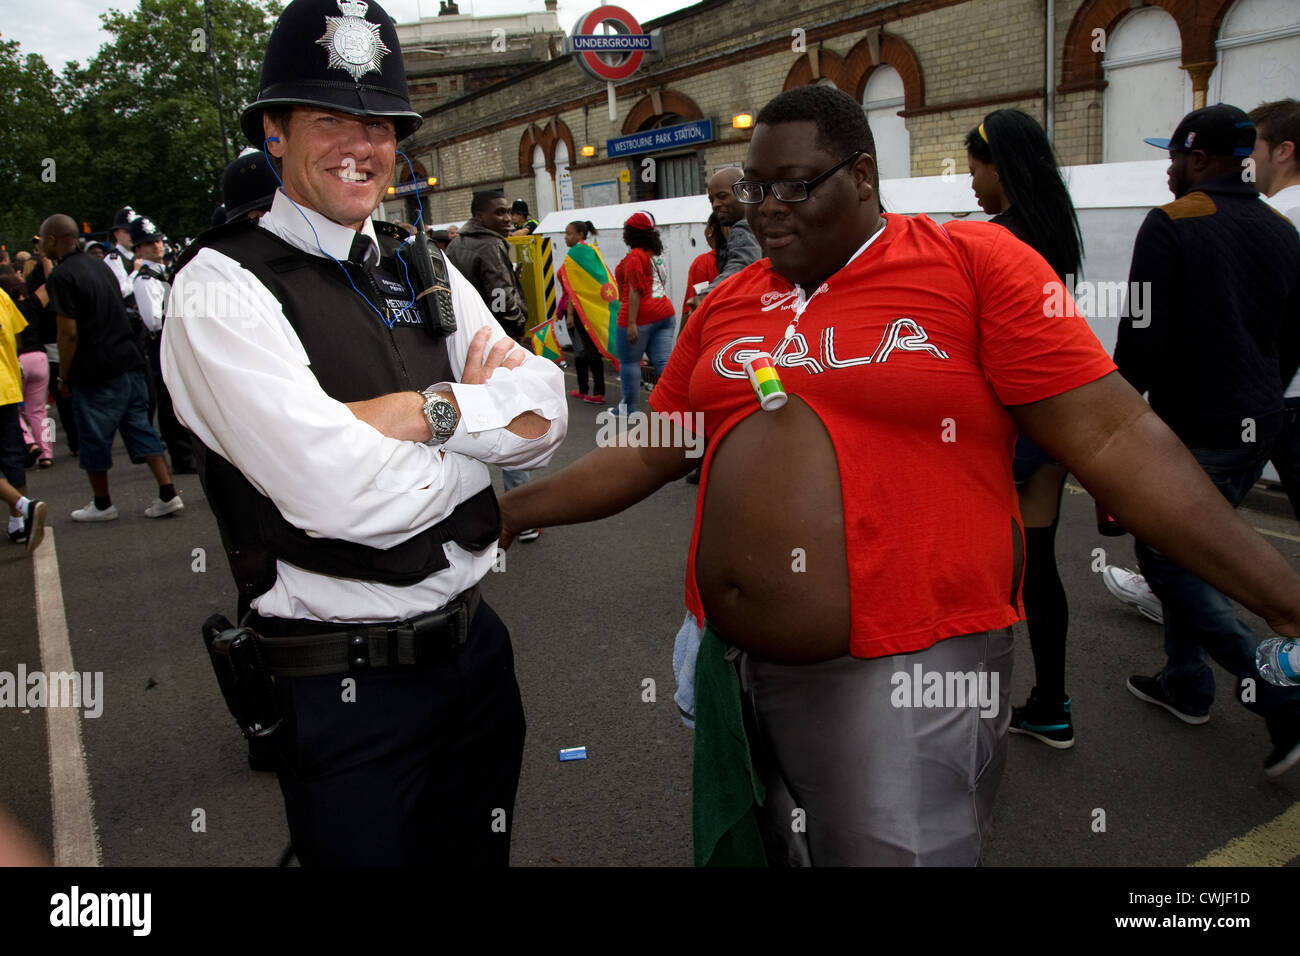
(360, 71)
(353, 42)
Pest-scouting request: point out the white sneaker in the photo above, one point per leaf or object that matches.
(1132, 588)
(91, 513)
(159, 508)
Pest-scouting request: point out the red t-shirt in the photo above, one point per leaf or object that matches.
(704, 268)
(908, 367)
(637, 272)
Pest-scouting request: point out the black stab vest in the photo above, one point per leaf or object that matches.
(355, 356)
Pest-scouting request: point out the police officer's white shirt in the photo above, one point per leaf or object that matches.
(121, 266)
(150, 294)
(239, 379)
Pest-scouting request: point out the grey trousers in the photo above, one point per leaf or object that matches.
(876, 762)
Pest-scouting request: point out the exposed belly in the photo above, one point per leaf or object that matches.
(771, 565)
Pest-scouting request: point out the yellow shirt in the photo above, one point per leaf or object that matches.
(11, 323)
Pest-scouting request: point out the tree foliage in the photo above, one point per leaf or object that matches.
(138, 124)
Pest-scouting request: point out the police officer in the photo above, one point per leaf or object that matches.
(120, 255)
(248, 186)
(151, 289)
(343, 439)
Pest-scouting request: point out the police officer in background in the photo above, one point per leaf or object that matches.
(343, 441)
(248, 186)
(120, 254)
(151, 290)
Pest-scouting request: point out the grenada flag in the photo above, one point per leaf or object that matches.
(594, 293)
(545, 343)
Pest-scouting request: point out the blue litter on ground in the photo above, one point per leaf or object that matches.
(573, 753)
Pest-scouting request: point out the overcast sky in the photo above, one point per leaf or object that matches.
(70, 29)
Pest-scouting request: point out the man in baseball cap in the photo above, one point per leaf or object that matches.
(343, 424)
(1208, 142)
(1219, 273)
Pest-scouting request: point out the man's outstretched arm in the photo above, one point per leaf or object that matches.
(599, 484)
(1131, 462)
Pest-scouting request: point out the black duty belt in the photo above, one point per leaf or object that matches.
(316, 649)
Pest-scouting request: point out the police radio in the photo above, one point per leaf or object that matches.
(428, 269)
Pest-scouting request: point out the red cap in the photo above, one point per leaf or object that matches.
(640, 220)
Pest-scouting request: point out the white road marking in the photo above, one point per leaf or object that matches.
(75, 841)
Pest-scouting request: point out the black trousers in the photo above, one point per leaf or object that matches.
(420, 769)
(176, 435)
(589, 360)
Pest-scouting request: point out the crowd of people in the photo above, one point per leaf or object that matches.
(83, 320)
(359, 517)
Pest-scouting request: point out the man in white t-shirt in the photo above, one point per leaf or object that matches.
(1277, 174)
(1277, 155)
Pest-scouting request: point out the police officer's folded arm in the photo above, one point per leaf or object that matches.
(241, 383)
(486, 411)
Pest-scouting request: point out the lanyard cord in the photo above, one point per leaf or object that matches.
(388, 322)
(802, 306)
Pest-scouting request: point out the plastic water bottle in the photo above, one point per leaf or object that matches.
(1278, 660)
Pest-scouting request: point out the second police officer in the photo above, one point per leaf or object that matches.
(344, 445)
(150, 291)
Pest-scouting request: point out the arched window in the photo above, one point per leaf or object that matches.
(1259, 54)
(882, 99)
(544, 188)
(1147, 91)
(561, 171)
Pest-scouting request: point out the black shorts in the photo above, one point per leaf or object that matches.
(13, 451)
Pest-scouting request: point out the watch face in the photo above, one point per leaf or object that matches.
(445, 416)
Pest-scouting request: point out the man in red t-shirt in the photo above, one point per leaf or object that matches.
(857, 553)
(704, 269)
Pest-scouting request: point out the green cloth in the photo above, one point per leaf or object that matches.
(726, 788)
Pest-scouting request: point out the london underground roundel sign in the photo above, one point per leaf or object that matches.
(625, 42)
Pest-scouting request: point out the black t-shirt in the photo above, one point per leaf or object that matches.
(86, 291)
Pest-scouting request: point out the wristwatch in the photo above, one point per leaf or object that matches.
(441, 416)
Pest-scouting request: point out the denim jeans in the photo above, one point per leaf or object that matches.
(1286, 453)
(1199, 620)
(655, 339)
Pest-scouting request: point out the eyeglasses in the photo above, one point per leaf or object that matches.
(786, 190)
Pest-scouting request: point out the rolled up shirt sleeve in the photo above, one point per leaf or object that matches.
(240, 379)
(487, 409)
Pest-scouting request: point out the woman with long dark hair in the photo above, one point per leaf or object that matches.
(1016, 179)
(646, 317)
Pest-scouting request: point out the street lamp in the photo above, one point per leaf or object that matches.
(216, 85)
